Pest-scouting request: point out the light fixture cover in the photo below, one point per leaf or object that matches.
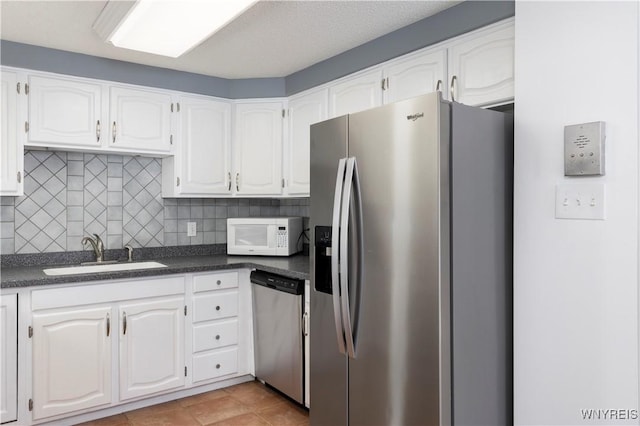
(172, 27)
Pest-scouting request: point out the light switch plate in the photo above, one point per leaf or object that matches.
(584, 149)
(580, 201)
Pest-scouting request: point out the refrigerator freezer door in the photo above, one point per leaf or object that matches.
(328, 381)
(401, 374)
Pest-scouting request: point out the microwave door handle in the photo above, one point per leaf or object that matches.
(335, 241)
(351, 189)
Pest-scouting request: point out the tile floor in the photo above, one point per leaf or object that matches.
(247, 404)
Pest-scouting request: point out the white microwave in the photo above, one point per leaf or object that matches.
(264, 236)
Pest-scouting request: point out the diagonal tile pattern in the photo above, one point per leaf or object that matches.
(95, 194)
(143, 209)
(249, 404)
(40, 216)
(71, 194)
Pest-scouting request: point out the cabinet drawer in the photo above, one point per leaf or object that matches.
(215, 364)
(210, 282)
(216, 335)
(215, 305)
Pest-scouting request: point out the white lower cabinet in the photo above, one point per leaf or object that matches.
(78, 332)
(221, 326)
(96, 346)
(71, 360)
(8, 358)
(151, 347)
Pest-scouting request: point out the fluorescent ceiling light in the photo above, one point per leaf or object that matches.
(173, 27)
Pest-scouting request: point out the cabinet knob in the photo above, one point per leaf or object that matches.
(218, 282)
(218, 366)
(217, 308)
(217, 337)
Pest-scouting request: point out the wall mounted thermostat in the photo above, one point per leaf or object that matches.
(584, 149)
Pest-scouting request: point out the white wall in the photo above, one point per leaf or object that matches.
(576, 281)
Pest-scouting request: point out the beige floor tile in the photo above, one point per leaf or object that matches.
(203, 397)
(285, 414)
(217, 410)
(152, 410)
(117, 420)
(174, 417)
(257, 398)
(249, 419)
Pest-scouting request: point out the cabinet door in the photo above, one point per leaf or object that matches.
(483, 68)
(303, 112)
(11, 158)
(8, 357)
(257, 148)
(356, 94)
(204, 147)
(151, 346)
(65, 113)
(416, 75)
(140, 120)
(71, 360)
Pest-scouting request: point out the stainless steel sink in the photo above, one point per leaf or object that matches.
(112, 267)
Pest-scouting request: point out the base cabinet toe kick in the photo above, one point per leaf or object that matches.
(82, 351)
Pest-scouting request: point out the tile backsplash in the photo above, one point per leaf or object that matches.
(69, 195)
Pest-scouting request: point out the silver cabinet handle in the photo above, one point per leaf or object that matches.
(124, 323)
(237, 182)
(19, 177)
(229, 176)
(335, 239)
(305, 324)
(108, 325)
(177, 181)
(113, 130)
(438, 85)
(98, 131)
(453, 88)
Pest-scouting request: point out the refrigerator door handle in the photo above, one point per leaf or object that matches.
(351, 189)
(335, 241)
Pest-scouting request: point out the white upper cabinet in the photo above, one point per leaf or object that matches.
(202, 162)
(65, 113)
(11, 157)
(415, 75)
(356, 93)
(481, 66)
(140, 120)
(304, 110)
(257, 148)
(151, 346)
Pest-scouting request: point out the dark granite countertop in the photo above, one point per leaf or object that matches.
(294, 266)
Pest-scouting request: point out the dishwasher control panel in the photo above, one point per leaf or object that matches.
(277, 282)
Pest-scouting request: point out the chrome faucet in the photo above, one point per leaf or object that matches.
(98, 246)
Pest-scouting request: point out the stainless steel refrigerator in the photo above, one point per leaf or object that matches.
(411, 226)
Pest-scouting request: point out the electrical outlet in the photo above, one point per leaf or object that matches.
(191, 229)
(580, 201)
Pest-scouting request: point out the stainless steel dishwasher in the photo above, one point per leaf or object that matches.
(278, 307)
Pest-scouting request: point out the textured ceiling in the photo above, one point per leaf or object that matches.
(271, 39)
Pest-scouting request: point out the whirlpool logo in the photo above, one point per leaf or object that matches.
(414, 117)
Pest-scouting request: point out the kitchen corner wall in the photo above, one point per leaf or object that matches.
(69, 195)
(576, 281)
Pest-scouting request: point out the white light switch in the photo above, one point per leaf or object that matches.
(191, 229)
(580, 201)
